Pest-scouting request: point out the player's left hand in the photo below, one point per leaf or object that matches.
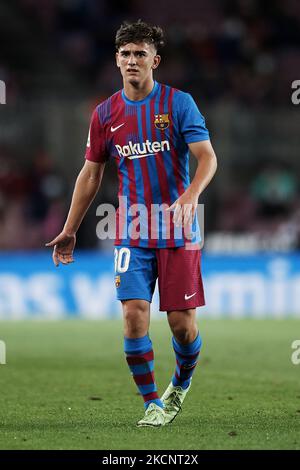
(184, 208)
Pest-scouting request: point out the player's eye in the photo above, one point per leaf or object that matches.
(140, 54)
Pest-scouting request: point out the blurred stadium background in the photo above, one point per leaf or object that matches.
(238, 58)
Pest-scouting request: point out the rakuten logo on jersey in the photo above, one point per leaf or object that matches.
(145, 149)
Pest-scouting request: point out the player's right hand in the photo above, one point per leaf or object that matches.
(64, 245)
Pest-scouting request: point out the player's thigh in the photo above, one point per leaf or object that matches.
(180, 279)
(182, 318)
(183, 324)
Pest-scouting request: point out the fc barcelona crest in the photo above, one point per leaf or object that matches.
(117, 281)
(161, 121)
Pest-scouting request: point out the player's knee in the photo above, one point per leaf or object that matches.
(185, 334)
(181, 334)
(135, 321)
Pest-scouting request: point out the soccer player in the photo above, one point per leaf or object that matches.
(148, 129)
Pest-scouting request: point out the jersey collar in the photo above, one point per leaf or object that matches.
(144, 100)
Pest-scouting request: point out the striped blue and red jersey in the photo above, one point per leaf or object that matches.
(149, 140)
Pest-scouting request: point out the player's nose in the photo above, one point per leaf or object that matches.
(132, 60)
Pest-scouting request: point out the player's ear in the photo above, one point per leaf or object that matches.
(117, 59)
(156, 61)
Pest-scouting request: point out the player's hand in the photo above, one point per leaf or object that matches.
(184, 209)
(64, 245)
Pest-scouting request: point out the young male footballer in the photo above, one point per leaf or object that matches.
(148, 129)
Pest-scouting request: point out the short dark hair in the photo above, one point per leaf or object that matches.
(139, 31)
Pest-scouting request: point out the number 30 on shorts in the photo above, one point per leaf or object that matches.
(122, 258)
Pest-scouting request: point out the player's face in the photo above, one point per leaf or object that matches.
(137, 61)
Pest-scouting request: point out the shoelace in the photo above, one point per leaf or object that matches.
(151, 412)
(175, 400)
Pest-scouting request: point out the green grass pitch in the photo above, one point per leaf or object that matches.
(66, 385)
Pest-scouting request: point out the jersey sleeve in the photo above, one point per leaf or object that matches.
(96, 142)
(191, 122)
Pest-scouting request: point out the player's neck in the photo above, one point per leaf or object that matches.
(138, 91)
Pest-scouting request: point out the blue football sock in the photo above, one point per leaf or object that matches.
(186, 360)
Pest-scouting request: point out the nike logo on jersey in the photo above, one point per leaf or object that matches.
(187, 297)
(114, 129)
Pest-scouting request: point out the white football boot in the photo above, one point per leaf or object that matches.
(172, 400)
(154, 416)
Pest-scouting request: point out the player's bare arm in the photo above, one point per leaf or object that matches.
(186, 205)
(86, 188)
